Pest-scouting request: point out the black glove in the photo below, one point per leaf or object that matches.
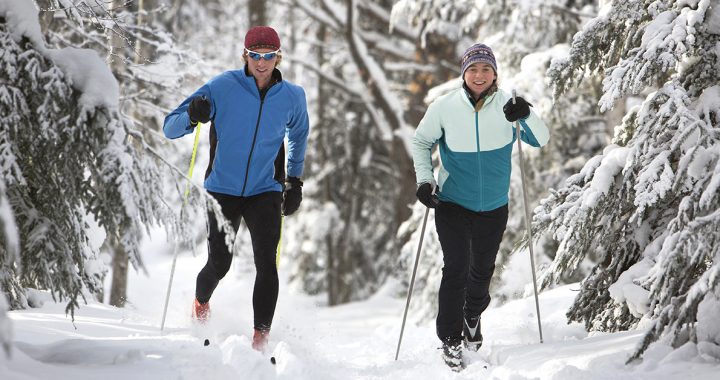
(292, 196)
(519, 110)
(425, 195)
(199, 110)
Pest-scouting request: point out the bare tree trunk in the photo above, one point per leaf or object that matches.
(118, 290)
(327, 188)
(138, 42)
(46, 16)
(331, 277)
(400, 157)
(256, 12)
(361, 19)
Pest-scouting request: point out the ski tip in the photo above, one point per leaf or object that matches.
(272, 360)
(207, 342)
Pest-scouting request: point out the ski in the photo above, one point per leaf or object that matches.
(273, 360)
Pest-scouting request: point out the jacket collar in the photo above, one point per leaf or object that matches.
(275, 78)
(485, 96)
(248, 81)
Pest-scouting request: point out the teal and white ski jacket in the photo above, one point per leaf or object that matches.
(475, 148)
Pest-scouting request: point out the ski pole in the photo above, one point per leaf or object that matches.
(185, 197)
(528, 227)
(412, 281)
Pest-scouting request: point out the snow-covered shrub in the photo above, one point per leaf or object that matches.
(649, 206)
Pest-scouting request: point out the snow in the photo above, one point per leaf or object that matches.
(708, 101)
(89, 73)
(657, 30)
(713, 20)
(21, 17)
(654, 181)
(516, 274)
(613, 161)
(711, 191)
(605, 8)
(351, 341)
(533, 67)
(626, 290)
(708, 310)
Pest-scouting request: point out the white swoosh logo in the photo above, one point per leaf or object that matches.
(472, 329)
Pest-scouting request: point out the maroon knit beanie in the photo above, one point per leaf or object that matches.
(262, 37)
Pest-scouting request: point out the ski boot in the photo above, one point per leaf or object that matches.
(471, 333)
(452, 353)
(260, 340)
(200, 311)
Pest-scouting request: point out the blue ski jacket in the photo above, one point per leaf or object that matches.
(248, 129)
(475, 148)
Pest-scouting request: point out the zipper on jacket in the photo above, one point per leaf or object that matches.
(477, 139)
(252, 147)
(261, 94)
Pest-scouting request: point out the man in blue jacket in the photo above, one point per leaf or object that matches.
(251, 111)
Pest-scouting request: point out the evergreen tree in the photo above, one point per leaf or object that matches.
(649, 205)
(8, 234)
(67, 154)
(133, 37)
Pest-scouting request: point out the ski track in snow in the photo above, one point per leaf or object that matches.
(353, 341)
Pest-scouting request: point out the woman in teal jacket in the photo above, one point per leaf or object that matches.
(473, 127)
(251, 111)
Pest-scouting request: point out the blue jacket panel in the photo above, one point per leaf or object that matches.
(249, 132)
(478, 181)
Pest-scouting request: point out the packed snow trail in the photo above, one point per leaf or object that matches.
(311, 341)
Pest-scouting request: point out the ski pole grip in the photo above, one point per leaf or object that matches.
(513, 95)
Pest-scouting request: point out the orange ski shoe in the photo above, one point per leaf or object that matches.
(260, 340)
(200, 311)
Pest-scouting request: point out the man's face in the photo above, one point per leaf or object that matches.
(261, 69)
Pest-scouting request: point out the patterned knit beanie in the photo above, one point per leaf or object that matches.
(478, 53)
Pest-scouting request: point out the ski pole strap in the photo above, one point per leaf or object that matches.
(192, 162)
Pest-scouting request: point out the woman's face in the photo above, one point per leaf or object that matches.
(479, 77)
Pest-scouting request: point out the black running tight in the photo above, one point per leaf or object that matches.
(262, 217)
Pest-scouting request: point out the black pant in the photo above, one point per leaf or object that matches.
(262, 217)
(470, 241)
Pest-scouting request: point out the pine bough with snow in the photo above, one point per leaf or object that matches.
(66, 152)
(650, 203)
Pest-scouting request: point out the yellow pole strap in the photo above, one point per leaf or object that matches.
(279, 247)
(192, 162)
